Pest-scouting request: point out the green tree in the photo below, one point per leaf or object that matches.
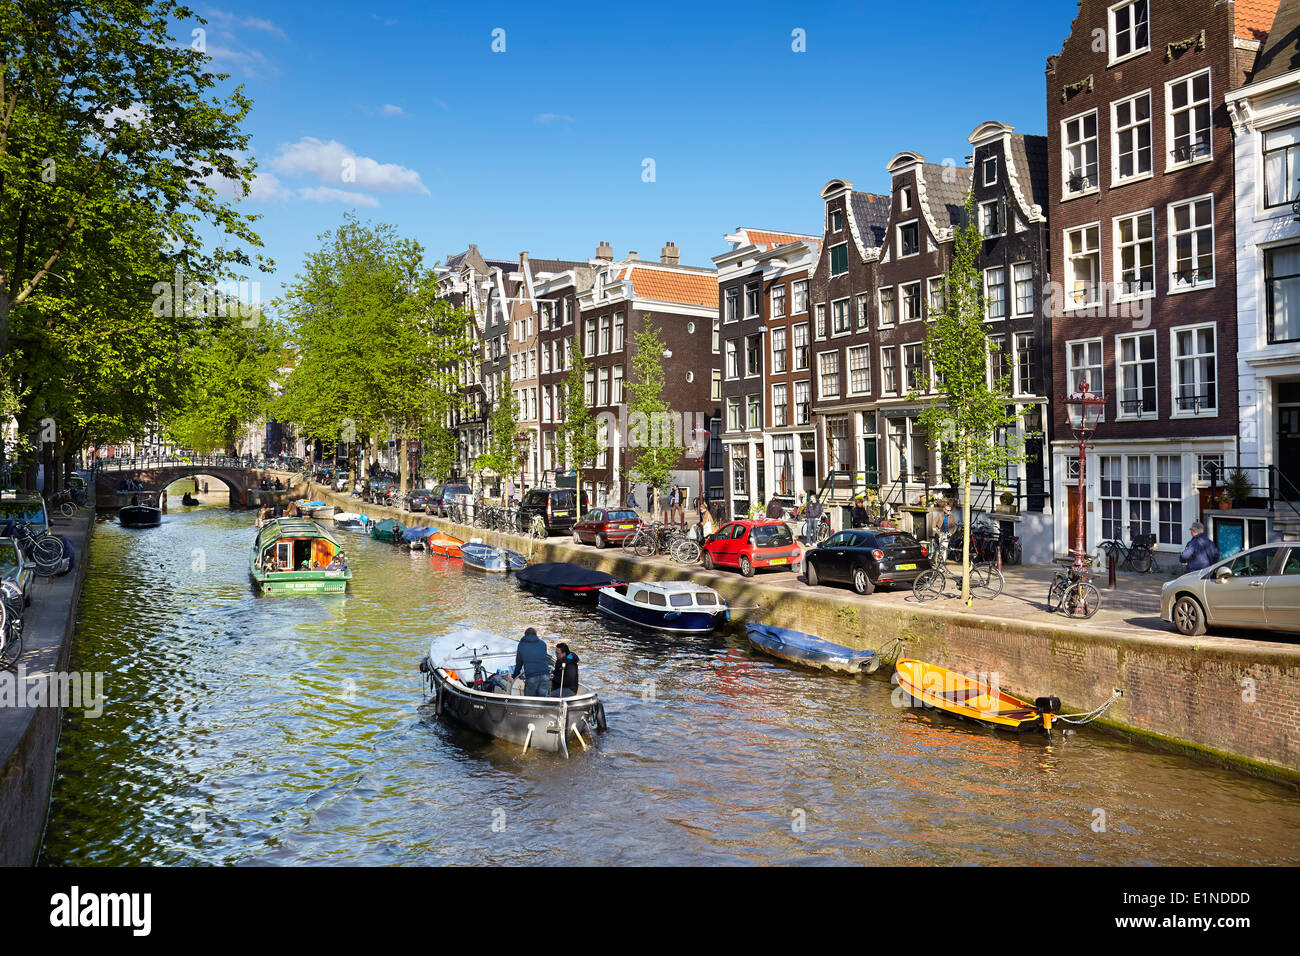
(652, 443)
(375, 346)
(972, 414)
(504, 447)
(114, 146)
(579, 442)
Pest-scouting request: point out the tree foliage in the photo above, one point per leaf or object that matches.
(973, 415)
(653, 447)
(576, 436)
(504, 447)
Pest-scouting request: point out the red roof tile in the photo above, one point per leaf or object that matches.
(767, 239)
(668, 286)
(1254, 18)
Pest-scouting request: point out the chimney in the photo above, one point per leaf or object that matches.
(632, 255)
(670, 255)
(605, 251)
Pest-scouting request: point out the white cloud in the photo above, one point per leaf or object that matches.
(549, 119)
(329, 194)
(230, 21)
(389, 109)
(253, 64)
(333, 162)
(265, 186)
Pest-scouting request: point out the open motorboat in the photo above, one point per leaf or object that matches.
(443, 545)
(468, 676)
(487, 557)
(973, 698)
(295, 555)
(143, 511)
(313, 509)
(349, 521)
(679, 607)
(564, 579)
(801, 648)
(416, 537)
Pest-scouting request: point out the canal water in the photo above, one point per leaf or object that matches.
(244, 730)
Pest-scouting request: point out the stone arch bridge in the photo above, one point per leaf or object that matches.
(155, 473)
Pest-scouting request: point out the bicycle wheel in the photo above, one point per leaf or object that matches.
(986, 581)
(630, 542)
(48, 552)
(67, 509)
(1082, 600)
(929, 585)
(686, 551)
(1143, 563)
(1056, 593)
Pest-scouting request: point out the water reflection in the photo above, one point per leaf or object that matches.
(286, 730)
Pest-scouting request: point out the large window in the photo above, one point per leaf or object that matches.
(590, 346)
(618, 332)
(603, 397)
(995, 293)
(1169, 499)
(909, 239)
(859, 370)
(829, 368)
(1131, 137)
(840, 316)
(754, 355)
(754, 419)
(802, 403)
(1188, 123)
(864, 319)
(1085, 365)
(778, 350)
(839, 442)
(1139, 494)
(604, 334)
(778, 301)
(799, 293)
(715, 392)
(1130, 29)
(889, 370)
(733, 358)
(732, 307)
(1281, 173)
(819, 320)
(1025, 378)
(1191, 243)
(616, 387)
(1079, 143)
(840, 259)
(993, 219)
(909, 296)
(734, 423)
(1022, 274)
(1135, 239)
(914, 366)
(1112, 498)
(1137, 375)
(589, 389)
(886, 308)
(1195, 363)
(780, 406)
(801, 346)
(1282, 276)
(1083, 266)
(938, 296)
(752, 299)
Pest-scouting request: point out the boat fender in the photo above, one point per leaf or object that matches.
(1049, 705)
(424, 665)
(437, 701)
(599, 711)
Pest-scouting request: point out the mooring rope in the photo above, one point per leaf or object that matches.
(1093, 714)
(890, 651)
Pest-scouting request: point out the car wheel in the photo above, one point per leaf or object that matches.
(601, 543)
(1188, 616)
(862, 581)
(811, 574)
(708, 561)
(746, 567)
(576, 538)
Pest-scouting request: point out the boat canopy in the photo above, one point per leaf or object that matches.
(564, 574)
(418, 533)
(456, 650)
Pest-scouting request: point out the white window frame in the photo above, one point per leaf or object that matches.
(862, 350)
(1014, 297)
(923, 380)
(780, 391)
(884, 381)
(794, 347)
(899, 234)
(1017, 386)
(753, 299)
(748, 340)
(798, 292)
(1115, 131)
(777, 294)
(1112, 37)
(931, 308)
(1000, 207)
(779, 335)
(1072, 380)
(846, 302)
(1066, 191)
(988, 299)
(884, 295)
(920, 302)
(1174, 380)
(1120, 365)
(1196, 284)
(985, 163)
(1118, 259)
(1095, 301)
(1171, 163)
(822, 372)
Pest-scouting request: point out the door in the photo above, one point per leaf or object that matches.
(1288, 450)
(1238, 599)
(1072, 517)
(723, 544)
(1282, 593)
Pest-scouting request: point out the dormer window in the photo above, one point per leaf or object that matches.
(837, 220)
(990, 166)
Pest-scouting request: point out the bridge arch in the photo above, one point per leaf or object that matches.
(154, 475)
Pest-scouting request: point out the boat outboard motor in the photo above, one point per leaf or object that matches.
(1047, 705)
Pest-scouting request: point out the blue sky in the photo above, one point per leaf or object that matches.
(542, 147)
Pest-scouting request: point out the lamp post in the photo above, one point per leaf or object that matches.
(1084, 411)
(700, 447)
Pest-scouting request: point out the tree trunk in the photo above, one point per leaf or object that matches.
(965, 534)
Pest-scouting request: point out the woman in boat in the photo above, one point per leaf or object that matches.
(564, 682)
(531, 660)
(338, 562)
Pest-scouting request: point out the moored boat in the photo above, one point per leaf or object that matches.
(800, 648)
(444, 545)
(487, 557)
(416, 537)
(468, 674)
(387, 530)
(313, 509)
(973, 698)
(294, 555)
(143, 511)
(349, 521)
(564, 579)
(678, 607)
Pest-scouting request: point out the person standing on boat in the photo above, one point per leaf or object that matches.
(531, 662)
(564, 682)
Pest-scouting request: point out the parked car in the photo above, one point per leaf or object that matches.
(447, 495)
(750, 544)
(865, 558)
(605, 526)
(1258, 587)
(556, 506)
(16, 568)
(419, 499)
(24, 506)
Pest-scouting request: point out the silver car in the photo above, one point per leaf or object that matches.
(1259, 587)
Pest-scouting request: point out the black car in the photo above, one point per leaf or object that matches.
(419, 500)
(866, 558)
(555, 506)
(445, 496)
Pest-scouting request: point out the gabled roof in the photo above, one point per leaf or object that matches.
(870, 217)
(1280, 53)
(1253, 19)
(945, 193)
(770, 239)
(1029, 153)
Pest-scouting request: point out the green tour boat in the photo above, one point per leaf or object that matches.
(294, 555)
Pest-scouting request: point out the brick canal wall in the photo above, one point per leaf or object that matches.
(1234, 701)
(29, 736)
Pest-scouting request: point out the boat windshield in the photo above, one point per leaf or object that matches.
(706, 597)
(679, 600)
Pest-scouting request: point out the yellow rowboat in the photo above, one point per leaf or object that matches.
(973, 699)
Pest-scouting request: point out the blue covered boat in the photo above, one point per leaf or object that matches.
(678, 607)
(800, 648)
(417, 537)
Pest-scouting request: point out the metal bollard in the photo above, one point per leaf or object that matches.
(1110, 571)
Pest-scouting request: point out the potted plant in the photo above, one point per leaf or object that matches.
(1237, 487)
(1008, 499)
(1221, 501)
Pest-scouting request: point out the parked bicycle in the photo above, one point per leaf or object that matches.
(986, 581)
(11, 623)
(1139, 556)
(1073, 593)
(46, 550)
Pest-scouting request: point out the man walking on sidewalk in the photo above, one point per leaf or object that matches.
(1200, 552)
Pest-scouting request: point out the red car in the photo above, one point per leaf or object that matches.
(605, 526)
(752, 543)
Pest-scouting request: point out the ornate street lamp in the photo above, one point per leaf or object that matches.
(1083, 411)
(701, 448)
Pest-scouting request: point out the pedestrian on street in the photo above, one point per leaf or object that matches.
(814, 517)
(1200, 552)
(774, 509)
(631, 497)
